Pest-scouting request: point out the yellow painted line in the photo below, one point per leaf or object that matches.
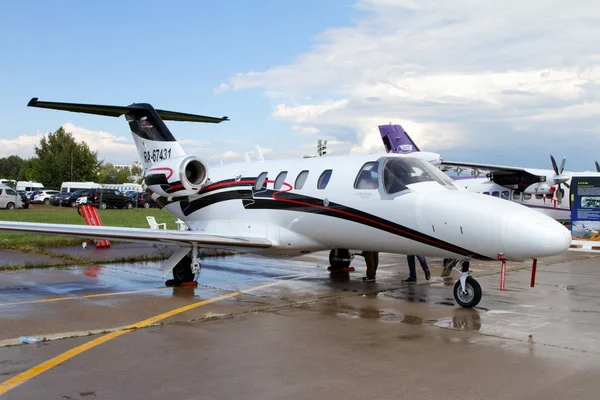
(88, 296)
(53, 362)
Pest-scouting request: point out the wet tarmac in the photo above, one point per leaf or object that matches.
(307, 335)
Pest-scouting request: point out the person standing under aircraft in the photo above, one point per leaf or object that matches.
(412, 277)
(372, 261)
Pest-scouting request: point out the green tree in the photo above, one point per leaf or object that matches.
(62, 159)
(110, 174)
(10, 167)
(29, 170)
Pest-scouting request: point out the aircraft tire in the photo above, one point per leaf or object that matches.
(339, 258)
(183, 270)
(473, 295)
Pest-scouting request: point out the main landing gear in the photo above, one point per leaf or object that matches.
(467, 291)
(186, 270)
(339, 260)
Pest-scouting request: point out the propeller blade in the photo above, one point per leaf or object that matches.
(562, 165)
(559, 195)
(554, 164)
(597, 166)
(567, 185)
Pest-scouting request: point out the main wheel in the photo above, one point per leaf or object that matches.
(183, 270)
(339, 258)
(472, 297)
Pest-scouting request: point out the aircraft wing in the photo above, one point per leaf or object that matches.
(501, 174)
(139, 235)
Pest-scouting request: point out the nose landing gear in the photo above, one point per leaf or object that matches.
(467, 291)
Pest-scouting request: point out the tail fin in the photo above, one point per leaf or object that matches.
(396, 140)
(154, 141)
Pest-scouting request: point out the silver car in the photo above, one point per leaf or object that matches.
(10, 199)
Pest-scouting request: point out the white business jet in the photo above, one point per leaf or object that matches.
(540, 189)
(363, 203)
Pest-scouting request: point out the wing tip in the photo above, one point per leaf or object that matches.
(32, 102)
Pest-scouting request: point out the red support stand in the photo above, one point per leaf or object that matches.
(533, 268)
(502, 272)
(92, 218)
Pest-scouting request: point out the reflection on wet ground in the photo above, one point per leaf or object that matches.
(557, 320)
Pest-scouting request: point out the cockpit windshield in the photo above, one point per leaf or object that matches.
(399, 172)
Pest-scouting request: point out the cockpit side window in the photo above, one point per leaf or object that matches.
(368, 176)
(398, 173)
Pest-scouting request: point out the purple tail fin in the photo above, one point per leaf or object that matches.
(396, 140)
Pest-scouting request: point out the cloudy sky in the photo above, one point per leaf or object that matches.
(498, 82)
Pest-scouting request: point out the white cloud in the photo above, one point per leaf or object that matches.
(114, 149)
(308, 130)
(227, 155)
(222, 88)
(307, 112)
(458, 74)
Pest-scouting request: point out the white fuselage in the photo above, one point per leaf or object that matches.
(430, 218)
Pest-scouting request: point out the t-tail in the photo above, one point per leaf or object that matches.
(168, 169)
(396, 140)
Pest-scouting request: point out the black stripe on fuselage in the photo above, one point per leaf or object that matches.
(277, 200)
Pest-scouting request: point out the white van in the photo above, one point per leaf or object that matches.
(69, 187)
(9, 198)
(28, 186)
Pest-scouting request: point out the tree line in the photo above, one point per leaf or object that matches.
(60, 158)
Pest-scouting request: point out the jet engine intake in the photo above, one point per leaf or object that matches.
(179, 177)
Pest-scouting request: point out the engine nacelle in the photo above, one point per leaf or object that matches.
(540, 188)
(179, 177)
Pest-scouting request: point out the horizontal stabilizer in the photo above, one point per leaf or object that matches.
(117, 111)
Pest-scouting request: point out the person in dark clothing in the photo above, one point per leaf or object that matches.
(412, 277)
(372, 261)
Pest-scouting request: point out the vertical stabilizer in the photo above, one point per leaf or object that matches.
(396, 140)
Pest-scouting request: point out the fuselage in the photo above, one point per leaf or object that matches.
(334, 208)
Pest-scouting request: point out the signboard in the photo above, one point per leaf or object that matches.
(585, 208)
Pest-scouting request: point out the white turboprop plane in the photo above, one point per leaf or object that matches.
(371, 203)
(540, 189)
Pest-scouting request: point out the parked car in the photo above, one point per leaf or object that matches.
(104, 198)
(44, 196)
(10, 199)
(142, 200)
(69, 199)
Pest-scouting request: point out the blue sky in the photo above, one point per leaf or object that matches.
(479, 82)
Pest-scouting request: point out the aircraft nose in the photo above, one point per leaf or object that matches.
(534, 235)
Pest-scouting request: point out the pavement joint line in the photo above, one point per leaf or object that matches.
(59, 359)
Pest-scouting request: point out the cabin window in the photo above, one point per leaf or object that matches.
(261, 181)
(279, 180)
(505, 194)
(368, 177)
(488, 193)
(324, 179)
(496, 194)
(516, 195)
(539, 196)
(301, 180)
(526, 196)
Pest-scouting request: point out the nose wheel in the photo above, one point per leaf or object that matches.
(469, 295)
